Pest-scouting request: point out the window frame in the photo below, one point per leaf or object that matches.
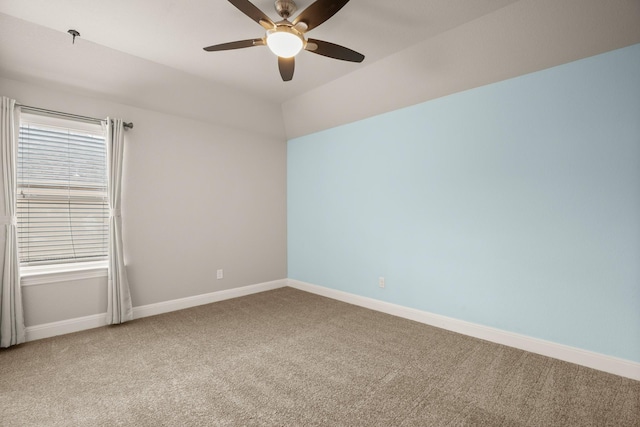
(42, 273)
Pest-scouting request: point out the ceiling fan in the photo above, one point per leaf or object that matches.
(287, 38)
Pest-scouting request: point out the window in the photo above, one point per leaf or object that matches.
(62, 204)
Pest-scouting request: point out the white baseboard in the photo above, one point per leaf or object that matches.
(613, 365)
(97, 320)
(62, 327)
(182, 303)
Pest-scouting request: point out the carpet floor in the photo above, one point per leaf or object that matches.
(290, 358)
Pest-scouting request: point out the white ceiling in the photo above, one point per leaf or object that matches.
(173, 33)
(148, 53)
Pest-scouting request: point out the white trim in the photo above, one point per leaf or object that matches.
(613, 365)
(578, 356)
(60, 122)
(47, 330)
(62, 327)
(43, 274)
(182, 303)
(31, 270)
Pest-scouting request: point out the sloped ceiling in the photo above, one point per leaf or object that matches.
(524, 37)
(149, 53)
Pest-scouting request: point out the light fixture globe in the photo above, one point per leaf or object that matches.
(287, 38)
(285, 42)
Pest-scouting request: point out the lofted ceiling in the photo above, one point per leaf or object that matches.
(149, 53)
(173, 33)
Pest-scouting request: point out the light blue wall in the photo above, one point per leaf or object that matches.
(515, 205)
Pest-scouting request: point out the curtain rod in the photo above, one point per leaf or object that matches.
(69, 115)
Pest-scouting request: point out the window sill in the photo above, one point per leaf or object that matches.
(43, 274)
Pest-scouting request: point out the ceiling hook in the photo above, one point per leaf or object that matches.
(75, 34)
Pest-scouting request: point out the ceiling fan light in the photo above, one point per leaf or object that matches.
(284, 44)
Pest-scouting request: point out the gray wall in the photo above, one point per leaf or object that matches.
(197, 196)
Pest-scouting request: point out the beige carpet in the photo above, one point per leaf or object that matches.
(289, 358)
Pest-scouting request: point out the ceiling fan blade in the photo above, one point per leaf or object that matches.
(235, 45)
(333, 51)
(318, 12)
(249, 9)
(286, 66)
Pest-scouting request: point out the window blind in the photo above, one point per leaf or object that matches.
(62, 204)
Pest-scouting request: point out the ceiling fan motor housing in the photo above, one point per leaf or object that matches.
(287, 38)
(285, 8)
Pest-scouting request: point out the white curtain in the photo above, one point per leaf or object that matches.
(119, 308)
(11, 314)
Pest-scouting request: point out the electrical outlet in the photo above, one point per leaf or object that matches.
(219, 274)
(381, 281)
